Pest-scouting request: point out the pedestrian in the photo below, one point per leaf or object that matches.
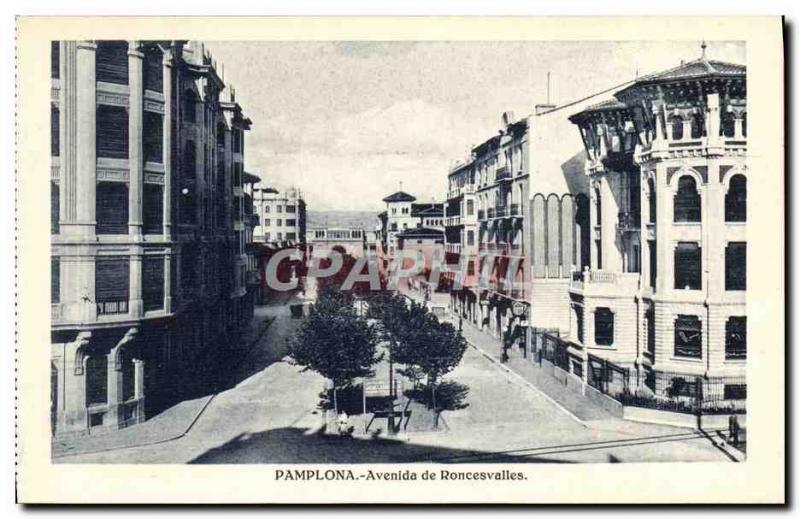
(344, 422)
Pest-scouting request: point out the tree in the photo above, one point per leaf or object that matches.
(335, 342)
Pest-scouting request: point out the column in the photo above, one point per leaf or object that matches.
(135, 151)
(138, 390)
(167, 142)
(136, 302)
(77, 125)
(72, 416)
(168, 282)
(713, 119)
(113, 416)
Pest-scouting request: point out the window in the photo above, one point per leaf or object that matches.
(267, 209)
(736, 200)
(290, 209)
(278, 208)
(688, 273)
(54, 60)
(112, 208)
(267, 222)
(653, 261)
(96, 381)
(687, 201)
(291, 223)
(735, 392)
(55, 280)
(736, 265)
(651, 200)
(237, 141)
(470, 237)
(728, 124)
(266, 236)
(278, 222)
(153, 209)
(579, 322)
(153, 70)
(650, 323)
(677, 127)
(152, 132)
(319, 234)
(190, 106)
(688, 341)
(470, 207)
(112, 282)
(112, 132)
(280, 236)
(291, 236)
(111, 61)
(54, 131)
(153, 282)
(698, 125)
(736, 337)
(55, 204)
(603, 327)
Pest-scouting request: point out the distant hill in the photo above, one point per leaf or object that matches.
(367, 220)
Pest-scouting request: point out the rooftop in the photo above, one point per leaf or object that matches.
(400, 196)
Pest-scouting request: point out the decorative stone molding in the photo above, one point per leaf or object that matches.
(152, 105)
(107, 98)
(112, 174)
(154, 178)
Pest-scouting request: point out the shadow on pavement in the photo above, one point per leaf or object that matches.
(293, 445)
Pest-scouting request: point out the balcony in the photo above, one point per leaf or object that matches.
(453, 220)
(502, 173)
(627, 222)
(605, 283)
(453, 248)
(114, 307)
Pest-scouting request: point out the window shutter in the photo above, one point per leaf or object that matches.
(112, 61)
(112, 279)
(112, 132)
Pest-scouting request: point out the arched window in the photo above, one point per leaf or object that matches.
(677, 127)
(687, 201)
(736, 199)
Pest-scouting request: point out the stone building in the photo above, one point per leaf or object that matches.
(461, 240)
(282, 216)
(664, 292)
(147, 238)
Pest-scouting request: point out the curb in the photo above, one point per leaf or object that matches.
(526, 382)
(191, 423)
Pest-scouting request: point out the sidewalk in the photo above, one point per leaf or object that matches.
(168, 425)
(572, 402)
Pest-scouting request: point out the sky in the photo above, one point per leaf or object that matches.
(347, 122)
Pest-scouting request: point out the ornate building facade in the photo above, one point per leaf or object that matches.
(664, 294)
(148, 236)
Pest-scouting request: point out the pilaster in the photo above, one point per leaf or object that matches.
(135, 149)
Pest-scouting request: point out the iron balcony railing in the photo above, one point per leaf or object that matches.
(119, 306)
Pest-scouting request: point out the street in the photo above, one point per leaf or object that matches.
(270, 415)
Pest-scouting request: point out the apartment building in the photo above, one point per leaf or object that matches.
(147, 157)
(282, 216)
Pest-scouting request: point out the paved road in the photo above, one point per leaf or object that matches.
(271, 416)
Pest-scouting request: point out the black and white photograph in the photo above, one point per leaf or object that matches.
(472, 256)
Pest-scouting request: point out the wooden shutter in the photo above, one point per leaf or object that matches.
(112, 132)
(112, 61)
(153, 282)
(112, 279)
